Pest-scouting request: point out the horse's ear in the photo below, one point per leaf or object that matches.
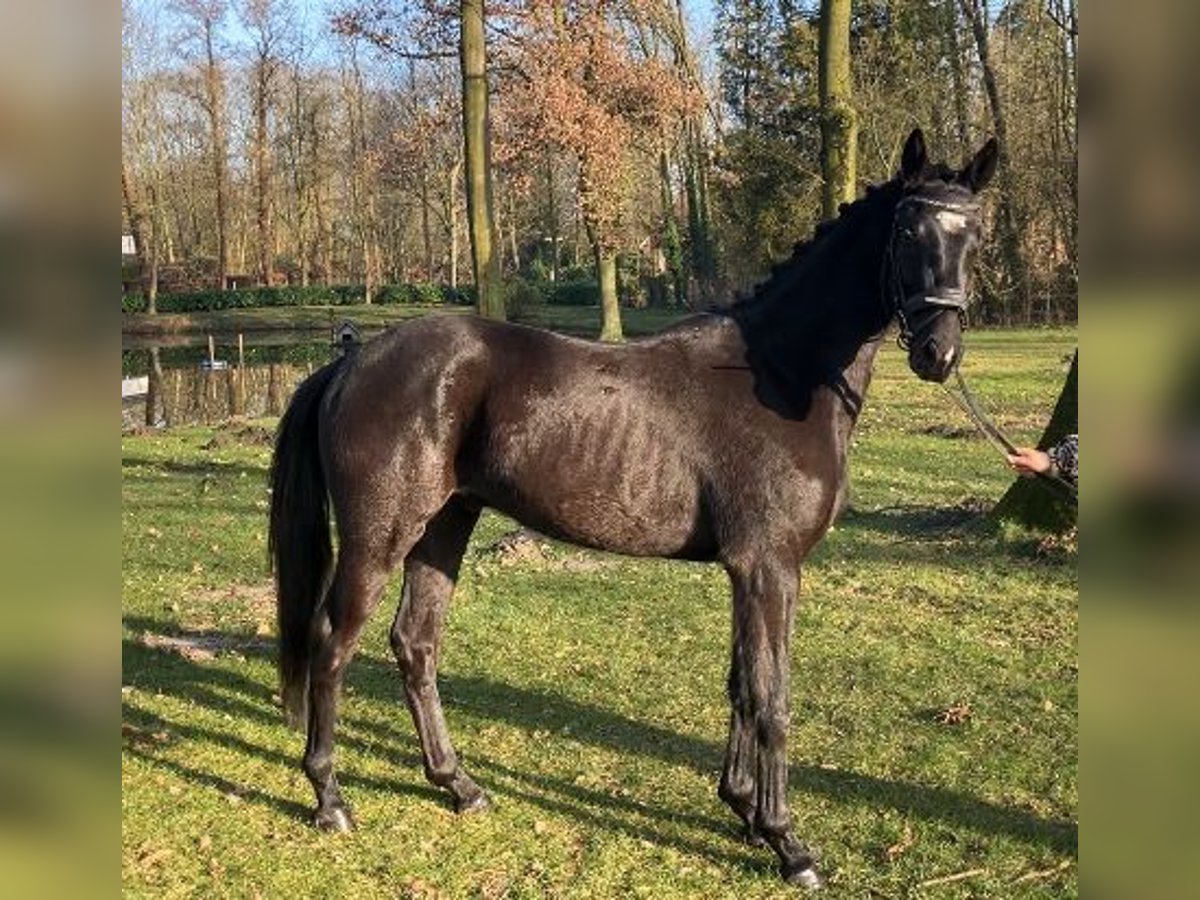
(979, 171)
(912, 161)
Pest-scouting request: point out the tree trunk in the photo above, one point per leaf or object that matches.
(1010, 218)
(610, 309)
(839, 123)
(552, 218)
(262, 163)
(152, 250)
(958, 76)
(1031, 501)
(214, 102)
(452, 203)
(133, 211)
(481, 222)
(606, 277)
(426, 227)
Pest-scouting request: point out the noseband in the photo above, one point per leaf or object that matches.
(906, 306)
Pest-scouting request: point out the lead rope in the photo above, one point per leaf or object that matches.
(966, 402)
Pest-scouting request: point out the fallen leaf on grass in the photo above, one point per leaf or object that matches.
(418, 889)
(141, 736)
(955, 715)
(148, 856)
(897, 849)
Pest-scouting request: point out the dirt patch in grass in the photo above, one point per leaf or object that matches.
(526, 547)
(522, 546)
(202, 646)
(240, 434)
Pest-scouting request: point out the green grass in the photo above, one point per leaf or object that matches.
(585, 691)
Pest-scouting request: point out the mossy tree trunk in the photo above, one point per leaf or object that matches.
(839, 123)
(1031, 501)
(610, 309)
(481, 219)
(605, 258)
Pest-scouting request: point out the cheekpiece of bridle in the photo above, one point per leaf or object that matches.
(907, 306)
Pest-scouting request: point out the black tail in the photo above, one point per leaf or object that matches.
(299, 542)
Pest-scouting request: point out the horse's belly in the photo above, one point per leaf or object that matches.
(623, 487)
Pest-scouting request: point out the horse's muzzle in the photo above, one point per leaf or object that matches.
(931, 359)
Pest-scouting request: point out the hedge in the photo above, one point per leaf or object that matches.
(561, 293)
(313, 295)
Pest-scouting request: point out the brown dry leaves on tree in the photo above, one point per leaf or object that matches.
(587, 79)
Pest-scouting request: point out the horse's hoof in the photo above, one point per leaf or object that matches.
(334, 818)
(475, 803)
(807, 878)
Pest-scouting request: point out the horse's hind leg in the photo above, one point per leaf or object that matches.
(430, 573)
(358, 582)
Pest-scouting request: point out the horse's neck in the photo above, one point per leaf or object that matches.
(819, 325)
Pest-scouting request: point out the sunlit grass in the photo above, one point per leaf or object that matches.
(934, 691)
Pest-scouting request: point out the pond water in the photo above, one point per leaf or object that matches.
(173, 381)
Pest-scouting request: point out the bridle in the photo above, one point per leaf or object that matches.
(905, 306)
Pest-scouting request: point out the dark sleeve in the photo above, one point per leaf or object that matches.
(1065, 456)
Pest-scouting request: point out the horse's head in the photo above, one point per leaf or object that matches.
(935, 233)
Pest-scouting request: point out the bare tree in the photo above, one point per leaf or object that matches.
(268, 27)
(1010, 225)
(201, 39)
(140, 145)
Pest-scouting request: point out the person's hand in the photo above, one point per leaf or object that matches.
(1029, 461)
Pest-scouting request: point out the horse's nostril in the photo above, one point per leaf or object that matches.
(930, 350)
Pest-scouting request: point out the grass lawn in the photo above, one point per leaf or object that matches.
(934, 691)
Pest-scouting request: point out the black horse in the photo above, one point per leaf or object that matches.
(723, 438)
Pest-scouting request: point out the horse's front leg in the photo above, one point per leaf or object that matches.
(738, 787)
(764, 594)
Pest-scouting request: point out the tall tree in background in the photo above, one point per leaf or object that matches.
(141, 124)
(839, 124)
(264, 21)
(361, 169)
(481, 221)
(701, 253)
(1011, 217)
(594, 88)
(202, 21)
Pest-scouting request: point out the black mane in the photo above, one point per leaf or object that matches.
(802, 249)
(804, 324)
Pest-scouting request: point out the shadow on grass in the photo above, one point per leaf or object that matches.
(216, 688)
(917, 520)
(535, 710)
